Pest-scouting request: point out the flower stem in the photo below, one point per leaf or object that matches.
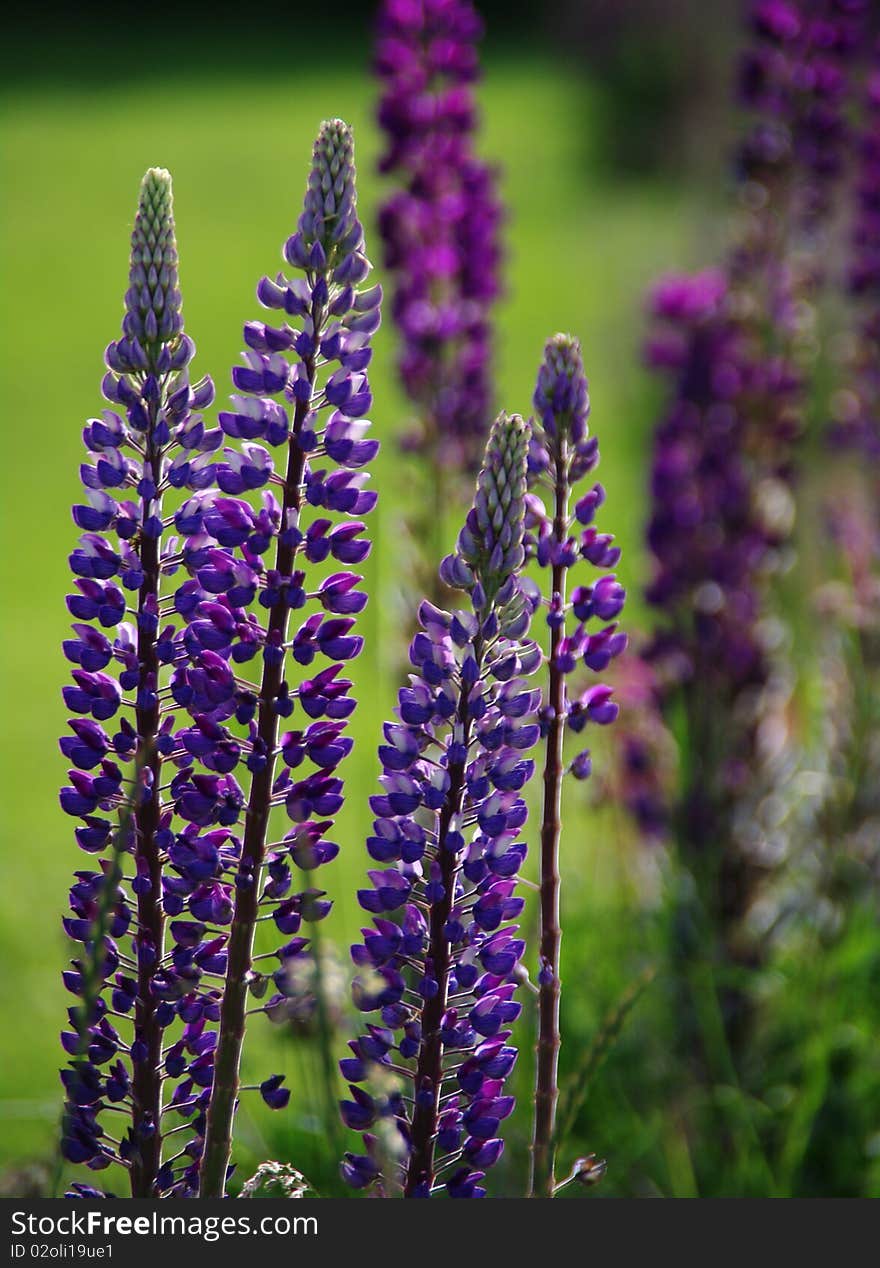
(429, 1069)
(542, 1183)
(146, 1074)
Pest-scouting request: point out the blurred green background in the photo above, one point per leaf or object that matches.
(611, 173)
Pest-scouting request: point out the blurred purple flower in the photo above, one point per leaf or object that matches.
(440, 227)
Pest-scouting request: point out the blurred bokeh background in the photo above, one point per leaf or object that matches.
(612, 124)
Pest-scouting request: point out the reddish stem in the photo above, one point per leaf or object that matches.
(146, 1073)
(543, 1180)
(429, 1068)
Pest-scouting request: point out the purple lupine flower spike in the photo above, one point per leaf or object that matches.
(151, 439)
(440, 227)
(794, 77)
(724, 452)
(584, 634)
(734, 343)
(302, 391)
(439, 963)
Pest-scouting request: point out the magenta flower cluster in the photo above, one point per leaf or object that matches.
(725, 448)
(794, 77)
(440, 226)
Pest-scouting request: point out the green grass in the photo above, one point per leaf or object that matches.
(580, 252)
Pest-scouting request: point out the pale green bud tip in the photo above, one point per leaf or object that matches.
(508, 440)
(333, 160)
(491, 540)
(155, 214)
(156, 183)
(335, 140)
(565, 345)
(154, 222)
(563, 354)
(152, 301)
(329, 217)
(503, 475)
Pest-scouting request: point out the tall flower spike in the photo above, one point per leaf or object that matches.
(491, 541)
(440, 229)
(439, 964)
(725, 450)
(737, 343)
(583, 634)
(302, 390)
(151, 440)
(153, 321)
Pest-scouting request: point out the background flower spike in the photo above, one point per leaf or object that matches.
(440, 226)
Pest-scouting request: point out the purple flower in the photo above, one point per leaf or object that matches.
(794, 77)
(299, 434)
(440, 227)
(726, 445)
(151, 437)
(439, 962)
(583, 635)
(275, 1096)
(704, 534)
